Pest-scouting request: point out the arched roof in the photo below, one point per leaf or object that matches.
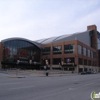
(79, 36)
(17, 38)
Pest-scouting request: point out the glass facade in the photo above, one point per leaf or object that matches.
(57, 50)
(89, 62)
(24, 51)
(56, 61)
(46, 51)
(80, 61)
(94, 54)
(85, 62)
(91, 54)
(84, 51)
(98, 43)
(88, 53)
(70, 48)
(20, 50)
(80, 49)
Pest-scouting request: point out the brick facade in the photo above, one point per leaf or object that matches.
(75, 54)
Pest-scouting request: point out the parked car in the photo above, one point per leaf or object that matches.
(82, 73)
(86, 72)
(94, 72)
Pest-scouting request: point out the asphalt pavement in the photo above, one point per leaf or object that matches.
(65, 87)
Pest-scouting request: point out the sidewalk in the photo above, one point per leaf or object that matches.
(39, 73)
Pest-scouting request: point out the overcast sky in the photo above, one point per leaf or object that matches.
(37, 19)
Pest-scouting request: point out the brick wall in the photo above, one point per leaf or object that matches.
(94, 39)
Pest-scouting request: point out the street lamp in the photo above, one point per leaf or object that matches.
(17, 67)
(30, 63)
(46, 61)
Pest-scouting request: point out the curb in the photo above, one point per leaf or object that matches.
(16, 77)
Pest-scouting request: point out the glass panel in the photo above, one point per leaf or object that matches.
(88, 53)
(80, 49)
(84, 51)
(46, 51)
(56, 61)
(99, 43)
(80, 61)
(22, 50)
(57, 50)
(69, 48)
(85, 62)
(89, 62)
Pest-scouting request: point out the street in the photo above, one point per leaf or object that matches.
(72, 87)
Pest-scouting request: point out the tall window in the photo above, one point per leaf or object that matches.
(56, 61)
(46, 51)
(79, 49)
(95, 63)
(20, 49)
(80, 61)
(91, 54)
(85, 62)
(88, 53)
(69, 48)
(84, 51)
(57, 50)
(89, 62)
(94, 54)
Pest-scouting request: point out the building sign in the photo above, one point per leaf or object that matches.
(68, 60)
(30, 61)
(46, 62)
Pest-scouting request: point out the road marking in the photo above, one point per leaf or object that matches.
(11, 83)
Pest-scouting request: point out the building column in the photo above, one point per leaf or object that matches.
(76, 56)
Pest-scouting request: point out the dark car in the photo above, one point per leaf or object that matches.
(86, 72)
(82, 73)
(89, 72)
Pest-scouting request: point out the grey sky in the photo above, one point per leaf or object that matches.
(37, 19)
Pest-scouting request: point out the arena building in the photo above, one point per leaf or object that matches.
(77, 52)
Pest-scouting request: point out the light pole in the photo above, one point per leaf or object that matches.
(17, 67)
(30, 63)
(46, 61)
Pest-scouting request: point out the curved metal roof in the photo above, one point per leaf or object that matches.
(81, 36)
(66, 37)
(17, 38)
